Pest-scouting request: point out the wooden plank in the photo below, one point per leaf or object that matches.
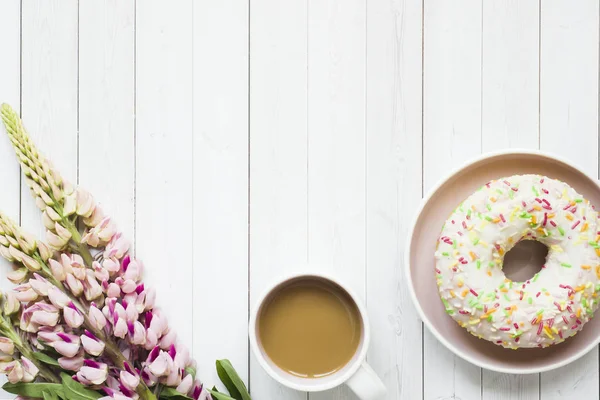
(106, 107)
(220, 189)
(452, 134)
(278, 148)
(164, 163)
(49, 90)
(394, 185)
(10, 89)
(510, 110)
(336, 144)
(569, 127)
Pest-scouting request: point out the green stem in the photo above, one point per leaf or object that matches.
(82, 249)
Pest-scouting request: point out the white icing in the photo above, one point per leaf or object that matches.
(554, 304)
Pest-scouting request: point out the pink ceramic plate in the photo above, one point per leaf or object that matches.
(419, 262)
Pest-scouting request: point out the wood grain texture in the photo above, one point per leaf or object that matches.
(164, 163)
(49, 90)
(394, 186)
(510, 110)
(336, 144)
(10, 92)
(106, 107)
(452, 135)
(278, 162)
(569, 128)
(220, 190)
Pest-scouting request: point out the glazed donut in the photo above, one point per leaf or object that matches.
(558, 300)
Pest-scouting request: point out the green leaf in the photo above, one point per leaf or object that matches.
(49, 395)
(220, 396)
(46, 359)
(232, 381)
(33, 389)
(76, 391)
(170, 393)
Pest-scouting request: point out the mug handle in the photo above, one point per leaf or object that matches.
(366, 384)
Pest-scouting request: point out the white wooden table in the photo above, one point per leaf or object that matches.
(235, 139)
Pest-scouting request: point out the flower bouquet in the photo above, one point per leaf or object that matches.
(80, 324)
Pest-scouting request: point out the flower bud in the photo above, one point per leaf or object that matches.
(62, 232)
(54, 241)
(70, 204)
(26, 242)
(30, 263)
(47, 221)
(57, 297)
(120, 328)
(5, 252)
(84, 203)
(25, 293)
(186, 384)
(17, 275)
(95, 218)
(15, 372)
(30, 371)
(96, 317)
(7, 346)
(40, 285)
(168, 340)
(44, 251)
(43, 314)
(91, 288)
(68, 345)
(91, 344)
(72, 316)
(16, 253)
(129, 377)
(53, 215)
(57, 270)
(74, 284)
(11, 304)
(92, 372)
(71, 363)
(100, 272)
(113, 290)
(91, 238)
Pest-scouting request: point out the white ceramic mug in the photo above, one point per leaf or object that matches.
(356, 374)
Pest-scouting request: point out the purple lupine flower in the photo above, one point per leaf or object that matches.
(72, 363)
(91, 344)
(72, 316)
(130, 378)
(67, 345)
(92, 372)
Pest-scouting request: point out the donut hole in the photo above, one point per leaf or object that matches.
(524, 260)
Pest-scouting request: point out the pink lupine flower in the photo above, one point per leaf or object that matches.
(68, 345)
(174, 377)
(129, 377)
(72, 316)
(96, 317)
(186, 384)
(24, 293)
(131, 312)
(74, 284)
(43, 314)
(30, 371)
(58, 271)
(15, 371)
(148, 377)
(161, 364)
(71, 363)
(92, 372)
(100, 272)
(137, 333)
(111, 265)
(57, 297)
(91, 344)
(120, 327)
(84, 203)
(113, 290)
(132, 270)
(7, 346)
(40, 285)
(55, 241)
(168, 339)
(117, 247)
(91, 288)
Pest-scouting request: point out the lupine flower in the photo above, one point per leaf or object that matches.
(92, 372)
(88, 303)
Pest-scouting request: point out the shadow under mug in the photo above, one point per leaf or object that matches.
(356, 374)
